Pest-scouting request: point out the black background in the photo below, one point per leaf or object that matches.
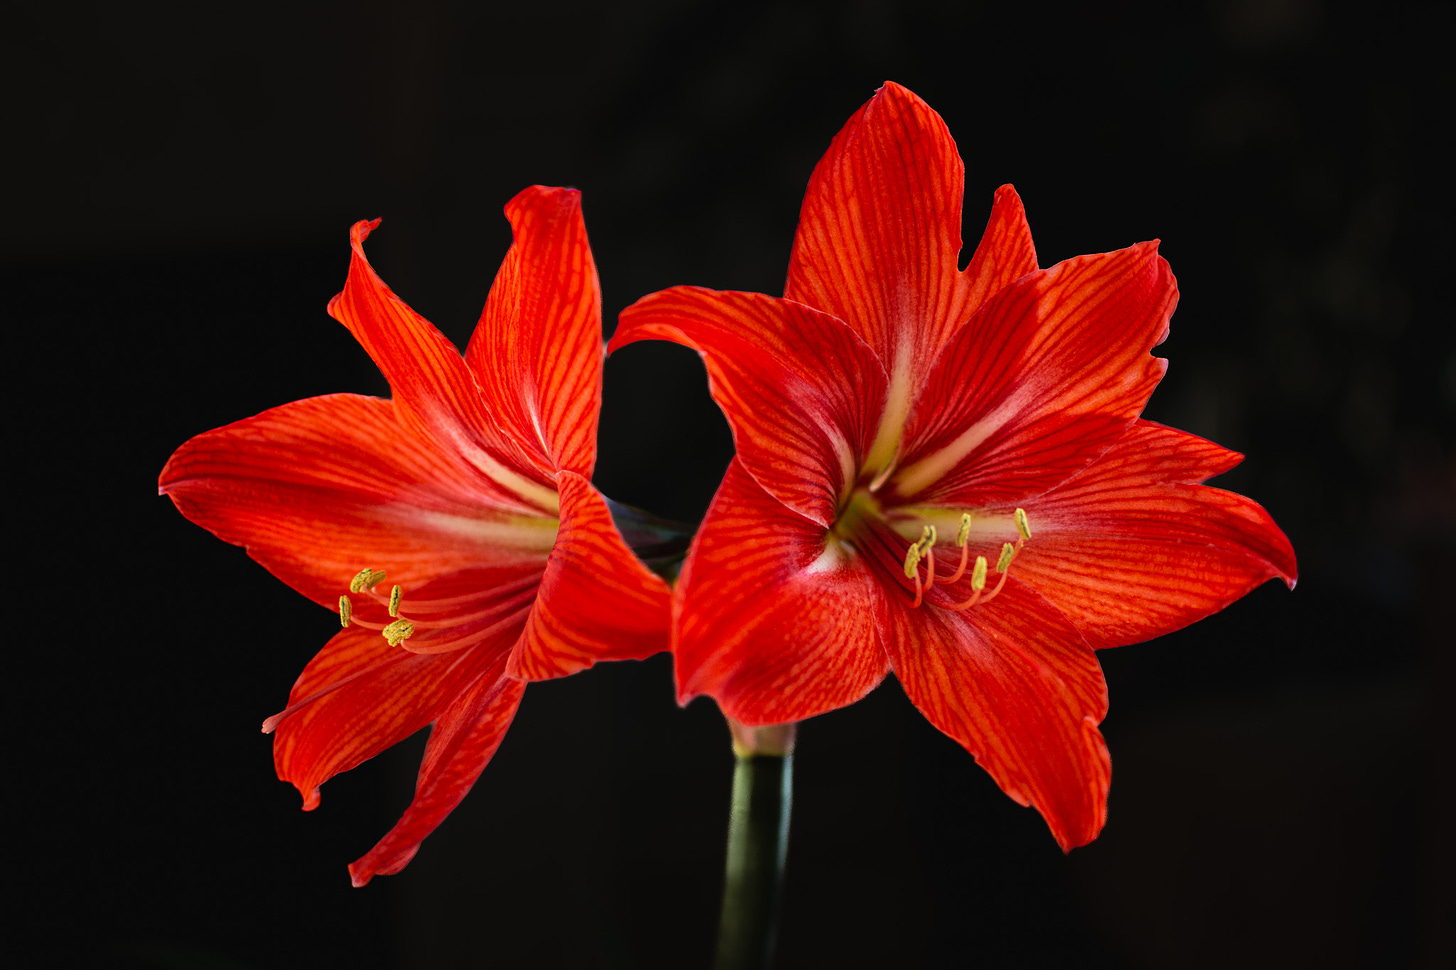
(179, 188)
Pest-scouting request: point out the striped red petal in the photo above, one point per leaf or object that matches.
(880, 231)
(773, 617)
(1005, 254)
(537, 351)
(360, 696)
(318, 489)
(1016, 685)
(439, 402)
(597, 601)
(1043, 379)
(801, 391)
(462, 742)
(1133, 548)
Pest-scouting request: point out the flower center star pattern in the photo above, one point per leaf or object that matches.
(943, 473)
(454, 526)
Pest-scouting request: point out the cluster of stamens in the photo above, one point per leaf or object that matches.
(924, 550)
(364, 581)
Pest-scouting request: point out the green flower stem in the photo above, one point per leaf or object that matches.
(758, 840)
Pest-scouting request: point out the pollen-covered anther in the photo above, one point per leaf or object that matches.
(912, 560)
(366, 578)
(1008, 553)
(398, 632)
(394, 598)
(1022, 526)
(346, 610)
(912, 570)
(963, 535)
(978, 575)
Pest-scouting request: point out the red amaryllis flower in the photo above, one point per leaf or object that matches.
(454, 527)
(943, 473)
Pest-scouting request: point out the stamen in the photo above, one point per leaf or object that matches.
(394, 597)
(962, 536)
(346, 610)
(978, 574)
(928, 539)
(1008, 553)
(398, 632)
(366, 578)
(919, 592)
(912, 560)
(961, 569)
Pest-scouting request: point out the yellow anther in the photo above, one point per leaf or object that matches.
(366, 578)
(978, 575)
(1022, 525)
(963, 535)
(912, 560)
(928, 538)
(398, 632)
(394, 596)
(346, 610)
(1007, 551)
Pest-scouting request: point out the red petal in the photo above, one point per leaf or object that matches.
(438, 401)
(597, 601)
(461, 743)
(462, 609)
(1006, 252)
(318, 489)
(801, 391)
(367, 696)
(537, 351)
(1017, 686)
(1129, 549)
(1045, 377)
(774, 619)
(880, 234)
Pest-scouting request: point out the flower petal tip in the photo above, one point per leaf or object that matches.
(360, 231)
(311, 798)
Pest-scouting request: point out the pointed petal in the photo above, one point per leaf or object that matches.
(462, 742)
(1046, 376)
(366, 696)
(1131, 549)
(321, 488)
(1017, 686)
(774, 618)
(880, 231)
(1005, 254)
(801, 391)
(597, 601)
(437, 399)
(537, 351)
